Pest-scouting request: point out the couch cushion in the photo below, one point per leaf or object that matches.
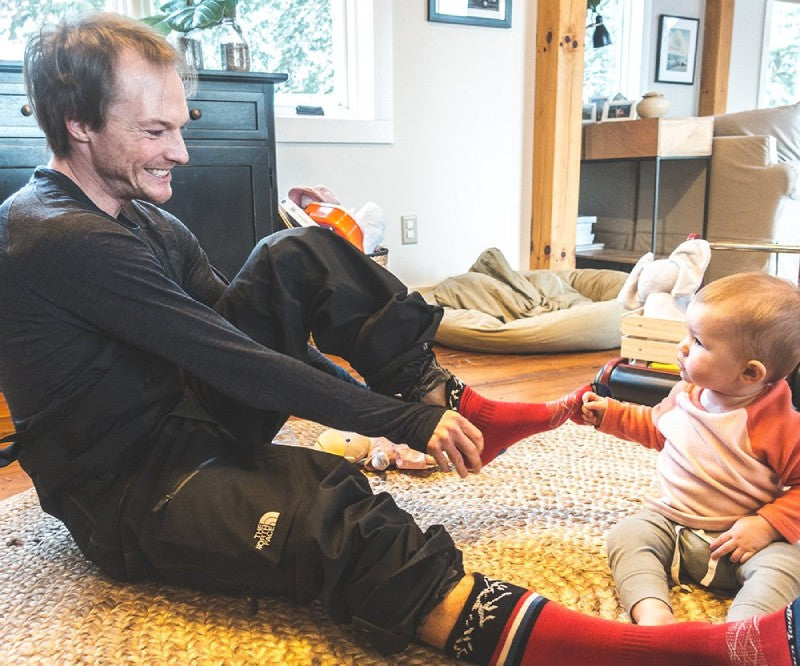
(782, 122)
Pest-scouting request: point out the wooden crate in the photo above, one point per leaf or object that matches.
(650, 339)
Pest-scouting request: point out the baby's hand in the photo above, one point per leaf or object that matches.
(594, 407)
(744, 539)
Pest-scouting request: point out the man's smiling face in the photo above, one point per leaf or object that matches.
(131, 157)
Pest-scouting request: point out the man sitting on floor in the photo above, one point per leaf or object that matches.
(146, 391)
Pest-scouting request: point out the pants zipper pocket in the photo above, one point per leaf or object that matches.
(179, 486)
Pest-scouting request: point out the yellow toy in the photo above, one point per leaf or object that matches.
(375, 454)
(350, 445)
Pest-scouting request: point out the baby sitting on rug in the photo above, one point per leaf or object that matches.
(728, 466)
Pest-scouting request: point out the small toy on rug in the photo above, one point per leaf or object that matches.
(663, 287)
(375, 454)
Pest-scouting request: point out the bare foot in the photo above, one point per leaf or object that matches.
(652, 613)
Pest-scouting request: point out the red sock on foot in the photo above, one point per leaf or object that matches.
(503, 423)
(563, 636)
(503, 624)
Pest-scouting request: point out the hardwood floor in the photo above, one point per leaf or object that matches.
(531, 377)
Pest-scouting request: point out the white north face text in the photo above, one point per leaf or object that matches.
(265, 529)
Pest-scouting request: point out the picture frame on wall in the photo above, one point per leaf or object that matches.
(619, 109)
(676, 55)
(489, 13)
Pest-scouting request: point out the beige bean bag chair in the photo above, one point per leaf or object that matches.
(493, 308)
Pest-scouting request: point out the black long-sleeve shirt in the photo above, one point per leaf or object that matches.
(82, 293)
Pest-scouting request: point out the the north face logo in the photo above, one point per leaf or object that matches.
(265, 529)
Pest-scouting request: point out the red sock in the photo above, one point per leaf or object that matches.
(503, 423)
(562, 636)
(505, 625)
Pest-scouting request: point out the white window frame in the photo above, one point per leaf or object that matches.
(765, 43)
(364, 113)
(631, 48)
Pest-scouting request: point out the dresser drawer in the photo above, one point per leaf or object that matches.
(16, 114)
(225, 114)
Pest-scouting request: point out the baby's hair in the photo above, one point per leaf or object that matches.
(764, 313)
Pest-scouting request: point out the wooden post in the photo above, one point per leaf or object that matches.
(716, 64)
(560, 34)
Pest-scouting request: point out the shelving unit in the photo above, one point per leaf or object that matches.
(653, 140)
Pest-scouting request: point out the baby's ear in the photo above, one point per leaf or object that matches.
(754, 371)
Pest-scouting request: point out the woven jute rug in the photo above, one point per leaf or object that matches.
(537, 516)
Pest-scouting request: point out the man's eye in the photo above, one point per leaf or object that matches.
(155, 132)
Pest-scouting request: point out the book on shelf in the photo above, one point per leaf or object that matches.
(587, 247)
(584, 234)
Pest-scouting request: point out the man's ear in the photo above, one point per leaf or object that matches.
(754, 372)
(77, 129)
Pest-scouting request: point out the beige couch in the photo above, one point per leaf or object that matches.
(754, 193)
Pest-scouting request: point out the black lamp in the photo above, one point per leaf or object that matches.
(600, 38)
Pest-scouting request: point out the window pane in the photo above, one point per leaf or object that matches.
(292, 36)
(602, 71)
(781, 81)
(21, 18)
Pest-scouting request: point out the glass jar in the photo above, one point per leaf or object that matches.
(190, 44)
(233, 47)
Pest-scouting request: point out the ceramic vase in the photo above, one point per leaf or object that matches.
(653, 105)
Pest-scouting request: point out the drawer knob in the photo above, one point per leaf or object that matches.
(26, 110)
(195, 114)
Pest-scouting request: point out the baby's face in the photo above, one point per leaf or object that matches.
(709, 355)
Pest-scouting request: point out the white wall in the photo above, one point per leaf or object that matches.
(683, 98)
(463, 124)
(462, 111)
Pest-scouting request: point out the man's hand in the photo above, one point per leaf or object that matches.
(744, 539)
(455, 440)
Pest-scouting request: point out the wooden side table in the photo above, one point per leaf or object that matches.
(650, 140)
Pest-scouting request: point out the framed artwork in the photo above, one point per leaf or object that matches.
(677, 49)
(491, 13)
(589, 113)
(619, 109)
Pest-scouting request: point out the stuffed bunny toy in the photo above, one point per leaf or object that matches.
(663, 287)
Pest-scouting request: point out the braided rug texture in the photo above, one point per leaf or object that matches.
(536, 516)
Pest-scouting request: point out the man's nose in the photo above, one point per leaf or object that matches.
(177, 150)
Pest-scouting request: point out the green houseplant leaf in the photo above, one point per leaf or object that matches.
(186, 15)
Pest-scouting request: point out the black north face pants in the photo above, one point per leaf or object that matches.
(284, 520)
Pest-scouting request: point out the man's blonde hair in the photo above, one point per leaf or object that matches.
(764, 316)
